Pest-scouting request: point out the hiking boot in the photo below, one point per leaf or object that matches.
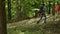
(37, 22)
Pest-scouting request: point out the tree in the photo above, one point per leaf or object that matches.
(53, 11)
(49, 12)
(36, 12)
(17, 10)
(3, 29)
(9, 10)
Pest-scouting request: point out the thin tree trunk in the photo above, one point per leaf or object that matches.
(53, 11)
(3, 29)
(36, 6)
(9, 10)
(49, 12)
(53, 8)
(17, 11)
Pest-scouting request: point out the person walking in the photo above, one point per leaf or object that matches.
(42, 13)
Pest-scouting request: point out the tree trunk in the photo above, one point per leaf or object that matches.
(49, 8)
(17, 11)
(9, 10)
(3, 29)
(53, 11)
(36, 12)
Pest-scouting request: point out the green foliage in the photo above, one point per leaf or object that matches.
(25, 7)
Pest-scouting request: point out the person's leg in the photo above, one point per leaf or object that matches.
(58, 13)
(39, 19)
(44, 19)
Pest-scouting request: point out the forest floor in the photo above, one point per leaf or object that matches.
(30, 26)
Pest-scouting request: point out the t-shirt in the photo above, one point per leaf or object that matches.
(42, 10)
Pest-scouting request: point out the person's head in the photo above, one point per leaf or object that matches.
(43, 4)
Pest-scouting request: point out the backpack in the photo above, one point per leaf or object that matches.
(57, 8)
(42, 10)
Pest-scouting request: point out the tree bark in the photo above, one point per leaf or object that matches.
(49, 8)
(3, 29)
(9, 10)
(53, 11)
(17, 11)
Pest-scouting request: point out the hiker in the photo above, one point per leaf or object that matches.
(42, 13)
(57, 9)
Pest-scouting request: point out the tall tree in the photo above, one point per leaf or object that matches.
(36, 12)
(49, 8)
(17, 11)
(3, 29)
(9, 10)
(53, 11)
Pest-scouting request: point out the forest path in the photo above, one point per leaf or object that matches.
(25, 26)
